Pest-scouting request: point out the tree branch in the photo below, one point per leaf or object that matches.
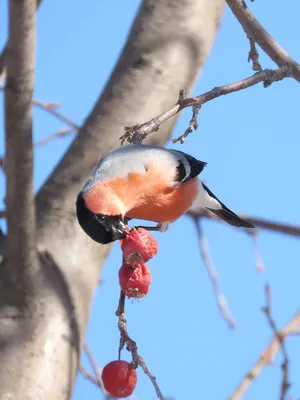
(253, 55)
(260, 267)
(274, 346)
(221, 299)
(262, 223)
(97, 371)
(93, 363)
(137, 133)
(285, 365)
(59, 134)
(18, 128)
(51, 108)
(86, 374)
(258, 33)
(3, 55)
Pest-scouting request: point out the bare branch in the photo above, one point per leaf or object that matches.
(89, 376)
(253, 55)
(3, 55)
(93, 363)
(131, 345)
(285, 365)
(290, 329)
(257, 254)
(18, 127)
(262, 223)
(257, 32)
(97, 372)
(51, 108)
(213, 275)
(193, 125)
(137, 133)
(287, 229)
(59, 134)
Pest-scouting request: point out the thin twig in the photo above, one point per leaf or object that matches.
(219, 295)
(285, 385)
(59, 134)
(89, 376)
(137, 133)
(289, 330)
(94, 365)
(253, 55)
(51, 107)
(258, 33)
(86, 374)
(193, 125)
(131, 345)
(257, 254)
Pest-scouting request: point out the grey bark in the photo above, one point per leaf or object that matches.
(18, 138)
(3, 54)
(40, 344)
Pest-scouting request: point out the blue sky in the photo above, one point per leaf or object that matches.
(250, 140)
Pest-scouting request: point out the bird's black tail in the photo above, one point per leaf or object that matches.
(224, 213)
(231, 218)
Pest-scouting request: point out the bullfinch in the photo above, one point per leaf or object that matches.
(144, 182)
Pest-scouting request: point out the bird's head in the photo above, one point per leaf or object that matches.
(100, 227)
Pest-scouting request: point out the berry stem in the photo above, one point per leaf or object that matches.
(121, 346)
(131, 346)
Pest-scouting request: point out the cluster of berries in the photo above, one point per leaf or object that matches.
(119, 377)
(134, 275)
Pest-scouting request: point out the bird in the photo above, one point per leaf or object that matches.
(144, 182)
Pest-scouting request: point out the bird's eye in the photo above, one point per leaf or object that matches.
(101, 217)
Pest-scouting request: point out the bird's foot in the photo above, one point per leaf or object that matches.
(163, 227)
(160, 227)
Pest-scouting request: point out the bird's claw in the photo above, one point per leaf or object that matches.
(160, 227)
(163, 226)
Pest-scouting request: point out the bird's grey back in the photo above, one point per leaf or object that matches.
(125, 159)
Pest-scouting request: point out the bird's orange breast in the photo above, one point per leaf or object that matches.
(168, 205)
(150, 195)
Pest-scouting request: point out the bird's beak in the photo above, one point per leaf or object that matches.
(119, 230)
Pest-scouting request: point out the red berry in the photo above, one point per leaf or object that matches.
(119, 379)
(139, 246)
(134, 280)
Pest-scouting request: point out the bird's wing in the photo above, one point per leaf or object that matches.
(188, 166)
(209, 201)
